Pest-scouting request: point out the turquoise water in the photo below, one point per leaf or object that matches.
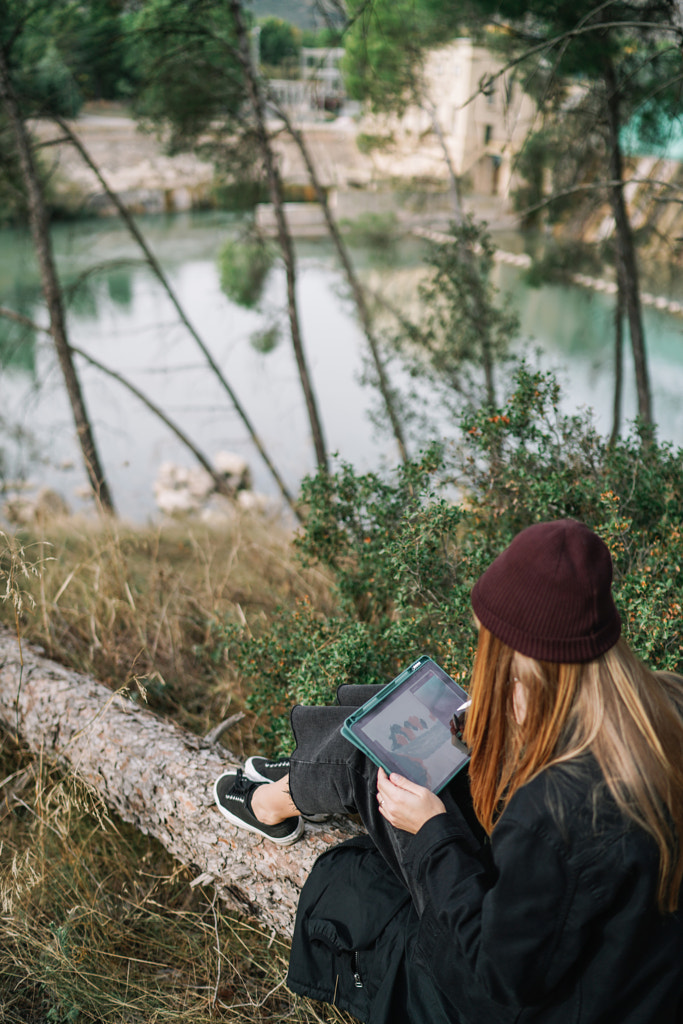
(121, 316)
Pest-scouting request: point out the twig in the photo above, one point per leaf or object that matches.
(218, 950)
(214, 734)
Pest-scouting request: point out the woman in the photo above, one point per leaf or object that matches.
(560, 901)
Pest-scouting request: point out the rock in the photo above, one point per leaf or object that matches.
(234, 469)
(251, 501)
(176, 502)
(200, 483)
(218, 510)
(181, 491)
(45, 507)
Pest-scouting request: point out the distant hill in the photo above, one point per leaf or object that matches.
(303, 13)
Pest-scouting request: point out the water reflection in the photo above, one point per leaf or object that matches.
(121, 315)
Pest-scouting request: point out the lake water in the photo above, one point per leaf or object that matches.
(121, 316)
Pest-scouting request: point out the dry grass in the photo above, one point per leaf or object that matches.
(134, 607)
(97, 922)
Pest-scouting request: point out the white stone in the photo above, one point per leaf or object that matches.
(176, 502)
(251, 501)
(200, 483)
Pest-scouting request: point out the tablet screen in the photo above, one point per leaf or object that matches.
(409, 732)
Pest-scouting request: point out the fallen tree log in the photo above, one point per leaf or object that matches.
(157, 777)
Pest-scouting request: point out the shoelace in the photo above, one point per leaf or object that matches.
(241, 784)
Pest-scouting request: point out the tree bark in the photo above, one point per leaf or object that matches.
(157, 777)
(618, 356)
(284, 238)
(627, 254)
(40, 230)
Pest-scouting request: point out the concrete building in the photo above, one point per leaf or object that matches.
(483, 116)
(320, 86)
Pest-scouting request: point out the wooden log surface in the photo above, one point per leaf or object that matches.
(158, 777)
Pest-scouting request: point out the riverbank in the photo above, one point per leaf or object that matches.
(409, 178)
(405, 175)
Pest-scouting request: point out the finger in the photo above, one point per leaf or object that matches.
(402, 783)
(383, 783)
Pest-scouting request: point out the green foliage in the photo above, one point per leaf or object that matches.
(367, 143)
(403, 558)
(529, 462)
(91, 40)
(190, 80)
(628, 62)
(378, 230)
(13, 204)
(560, 259)
(465, 330)
(394, 550)
(532, 162)
(244, 264)
(280, 42)
(385, 44)
(61, 53)
(265, 341)
(319, 38)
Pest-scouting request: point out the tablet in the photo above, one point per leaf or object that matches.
(406, 727)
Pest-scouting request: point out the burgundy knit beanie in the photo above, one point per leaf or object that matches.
(549, 594)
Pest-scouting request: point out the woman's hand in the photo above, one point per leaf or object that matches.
(404, 804)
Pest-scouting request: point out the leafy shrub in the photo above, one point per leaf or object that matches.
(404, 558)
(367, 143)
(266, 340)
(560, 259)
(374, 229)
(244, 265)
(279, 42)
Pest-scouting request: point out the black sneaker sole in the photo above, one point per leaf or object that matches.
(245, 826)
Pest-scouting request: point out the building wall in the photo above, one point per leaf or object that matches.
(482, 130)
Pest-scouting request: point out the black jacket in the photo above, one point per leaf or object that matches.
(556, 923)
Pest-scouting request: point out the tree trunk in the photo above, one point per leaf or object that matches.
(618, 356)
(219, 481)
(453, 179)
(158, 777)
(40, 230)
(284, 237)
(156, 267)
(354, 285)
(627, 255)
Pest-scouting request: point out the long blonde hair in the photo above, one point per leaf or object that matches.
(629, 718)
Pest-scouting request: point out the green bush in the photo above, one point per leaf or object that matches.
(374, 229)
(404, 559)
(367, 143)
(244, 265)
(561, 259)
(279, 42)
